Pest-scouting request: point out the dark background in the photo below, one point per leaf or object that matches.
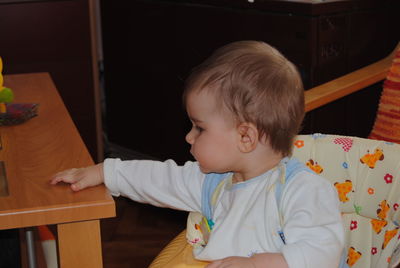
(151, 46)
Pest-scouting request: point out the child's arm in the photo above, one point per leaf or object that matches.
(80, 178)
(263, 260)
(313, 228)
(163, 184)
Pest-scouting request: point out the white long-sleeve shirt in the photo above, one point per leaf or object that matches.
(246, 214)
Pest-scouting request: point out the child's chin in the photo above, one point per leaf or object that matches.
(204, 170)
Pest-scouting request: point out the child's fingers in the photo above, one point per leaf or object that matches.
(76, 187)
(214, 264)
(68, 176)
(80, 185)
(59, 177)
(80, 178)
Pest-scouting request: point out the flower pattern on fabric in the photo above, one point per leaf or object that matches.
(395, 206)
(388, 178)
(299, 143)
(371, 191)
(353, 225)
(374, 250)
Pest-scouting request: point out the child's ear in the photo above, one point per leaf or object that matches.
(248, 137)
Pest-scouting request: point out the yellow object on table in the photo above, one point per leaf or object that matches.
(6, 94)
(13, 113)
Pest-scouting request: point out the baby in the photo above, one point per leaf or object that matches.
(261, 207)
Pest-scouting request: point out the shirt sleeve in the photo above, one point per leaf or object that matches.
(163, 184)
(313, 225)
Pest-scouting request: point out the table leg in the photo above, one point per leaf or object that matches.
(79, 244)
(30, 246)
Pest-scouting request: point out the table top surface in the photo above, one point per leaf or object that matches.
(35, 150)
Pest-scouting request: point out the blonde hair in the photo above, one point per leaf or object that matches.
(258, 85)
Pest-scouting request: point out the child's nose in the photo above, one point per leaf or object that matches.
(190, 137)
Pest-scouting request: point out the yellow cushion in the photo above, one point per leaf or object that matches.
(177, 254)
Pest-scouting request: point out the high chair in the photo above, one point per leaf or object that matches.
(365, 173)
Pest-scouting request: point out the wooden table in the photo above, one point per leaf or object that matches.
(35, 150)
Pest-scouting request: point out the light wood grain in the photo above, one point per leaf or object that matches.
(35, 150)
(350, 83)
(80, 244)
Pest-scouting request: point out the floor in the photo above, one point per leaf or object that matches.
(138, 233)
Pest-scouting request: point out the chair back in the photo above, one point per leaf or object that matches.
(366, 175)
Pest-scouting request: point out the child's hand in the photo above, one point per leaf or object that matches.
(261, 260)
(232, 262)
(80, 178)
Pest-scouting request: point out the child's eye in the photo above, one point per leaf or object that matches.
(199, 129)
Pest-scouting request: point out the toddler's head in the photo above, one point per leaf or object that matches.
(256, 84)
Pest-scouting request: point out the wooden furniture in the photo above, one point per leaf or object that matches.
(58, 37)
(159, 42)
(35, 150)
(349, 83)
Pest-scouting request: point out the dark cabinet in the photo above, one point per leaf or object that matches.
(57, 37)
(151, 46)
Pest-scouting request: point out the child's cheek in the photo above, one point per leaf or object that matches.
(198, 153)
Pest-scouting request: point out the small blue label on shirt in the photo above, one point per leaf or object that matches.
(282, 237)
